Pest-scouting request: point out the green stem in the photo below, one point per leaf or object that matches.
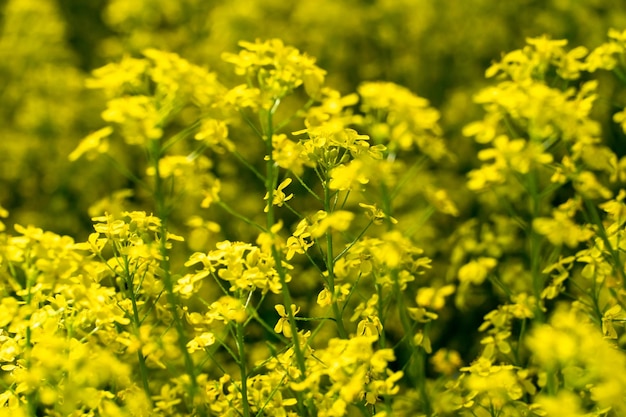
(288, 301)
(304, 108)
(354, 241)
(271, 177)
(520, 342)
(306, 187)
(30, 397)
(248, 165)
(552, 381)
(418, 373)
(386, 204)
(186, 132)
(241, 217)
(620, 74)
(534, 240)
(617, 261)
(409, 176)
(243, 369)
(381, 315)
(330, 268)
(172, 299)
(250, 124)
(126, 172)
(420, 367)
(136, 320)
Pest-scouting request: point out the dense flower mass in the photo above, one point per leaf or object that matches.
(293, 230)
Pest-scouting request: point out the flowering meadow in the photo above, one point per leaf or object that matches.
(316, 208)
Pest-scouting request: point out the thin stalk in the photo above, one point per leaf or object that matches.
(293, 210)
(330, 263)
(251, 124)
(285, 122)
(534, 241)
(408, 176)
(420, 367)
(271, 177)
(241, 217)
(520, 342)
(243, 368)
(386, 204)
(30, 397)
(287, 299)
(271, 395)
(620, 74)
(354, 241)
(126, 172)
(186, 132)
(418, 354)
(248, 165)
(136, 320)
(306, 187)
(381, 315)
(172, 299)
(419, 222)
(255, 315)
(552, 382)
(595, 218)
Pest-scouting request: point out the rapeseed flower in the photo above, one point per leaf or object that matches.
(282, 326)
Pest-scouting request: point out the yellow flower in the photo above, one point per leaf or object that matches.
(422, 340)
(116, 78)
(616, 209)
(227, 309)
(278, 69)
(243, 96)
(440, 199)
(376, 215)
(93, 144)
(300, 241)
(3, 215)
(502, 385)
(348, 176)
(587, 184)
(564, 404)
(324, 298)
(446, 361)
(190, 284)
(338, 220)
(562, 230)
(214, 133)
(283, 326)
(401, 120)
(422, 315)
(200, 342)
(369, 326)
(611, 315)
(137, 116)
(288, 154)
(279, 197)
(434, 297)
(476, 271)
(605, 56)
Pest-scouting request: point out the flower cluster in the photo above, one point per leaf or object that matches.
(280, 248)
